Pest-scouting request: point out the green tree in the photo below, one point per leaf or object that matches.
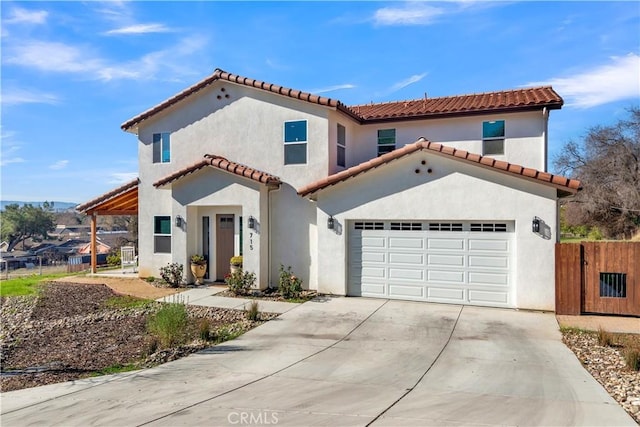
(607, 162)
(18, 223)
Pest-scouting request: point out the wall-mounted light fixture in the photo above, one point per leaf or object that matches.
(330, 223)
(535, 224)
(179, 221)
(252, 223)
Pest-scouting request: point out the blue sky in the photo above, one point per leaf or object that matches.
(72, 72)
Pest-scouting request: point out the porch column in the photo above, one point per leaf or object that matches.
(94, 246)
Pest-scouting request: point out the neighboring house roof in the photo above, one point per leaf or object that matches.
(564, 185)
(512, 100)
(219, 162)
(122, 200)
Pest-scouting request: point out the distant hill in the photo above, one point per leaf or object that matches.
(57, 206)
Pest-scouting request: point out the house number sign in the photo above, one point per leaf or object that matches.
(250, 241)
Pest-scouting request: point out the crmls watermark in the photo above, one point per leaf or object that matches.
(247, 418)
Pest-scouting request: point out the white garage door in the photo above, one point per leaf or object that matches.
(452, 262)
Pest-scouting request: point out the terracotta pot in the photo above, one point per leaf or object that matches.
(198, 271)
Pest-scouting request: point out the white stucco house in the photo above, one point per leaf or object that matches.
(436, 199)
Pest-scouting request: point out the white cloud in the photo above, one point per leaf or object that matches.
(140, 29)
(65, 58)
(122, 177)
(60, 164)
(8, 160)
(15, 96)
(9, 148)
(606, 83)
(409, 14)
(51, 56)
(24, 16)
(332, 88)
(406, 82)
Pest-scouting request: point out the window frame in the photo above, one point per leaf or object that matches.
(156, 218)
(341, 145)
(297, 142)
(162, 139)
(487, 140)
(386, 145)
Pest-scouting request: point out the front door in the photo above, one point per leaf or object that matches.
(224, 245)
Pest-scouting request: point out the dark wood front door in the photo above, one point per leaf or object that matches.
(224, 245)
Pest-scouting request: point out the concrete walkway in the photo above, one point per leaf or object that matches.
(208, 297)
(349, 361)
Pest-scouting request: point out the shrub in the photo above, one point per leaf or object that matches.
(632, 358)
(113, 260)
(252, 312)
(605, 339)
(169, 324)
(289, 285)
(150, 279)
(172, 274)
(595, 234)
(240, 282)
(204, 329)
(236, 261)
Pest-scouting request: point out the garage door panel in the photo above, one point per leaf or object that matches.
(488, 278)
(406, 273)
(373, 289)
(374, 242)
(446, 294)
(415, 259)
(492, 245)
(446, 276)
(488, 297)
(406, 243)
(488, 261)
(374, 257)
(406, 291)
(446, 244)
(436, 260)
(374, 272)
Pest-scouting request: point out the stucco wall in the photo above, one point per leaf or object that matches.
(453, 191)
(524, 136)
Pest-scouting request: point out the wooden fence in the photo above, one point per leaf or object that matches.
(598, 277)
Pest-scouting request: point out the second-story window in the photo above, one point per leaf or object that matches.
(295, 142)
(493, 138)
(342, 146)
(161, 147)
(386, 141)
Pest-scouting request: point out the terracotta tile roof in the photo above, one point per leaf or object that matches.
(565, 185)
(123, 198)
(219, 74)
(535, 97)
(510, 100)
(225, 165)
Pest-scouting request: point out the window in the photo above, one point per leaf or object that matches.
(161, 148)
(295, 142)
(493, 137)
(369, 226)
(613, 285)
(489, 228)
(386, 141)
(406, 226)
(445, 226)
(342, 146)
(162, 234)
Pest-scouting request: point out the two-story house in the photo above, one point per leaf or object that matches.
(435, 199)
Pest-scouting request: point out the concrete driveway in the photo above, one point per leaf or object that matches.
(349, 361)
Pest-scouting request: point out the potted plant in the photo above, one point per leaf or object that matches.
(198, 268)
(235, 263)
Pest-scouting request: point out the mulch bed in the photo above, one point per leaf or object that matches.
(68, 332)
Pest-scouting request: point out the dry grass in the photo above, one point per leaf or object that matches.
(127, 286)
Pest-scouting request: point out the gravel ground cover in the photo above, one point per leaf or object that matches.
(607, 365)
(70, 331)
